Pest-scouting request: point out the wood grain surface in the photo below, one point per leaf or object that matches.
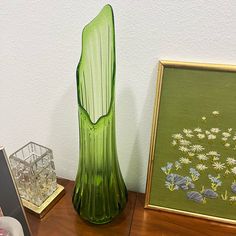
(63, 220)
(151, 222)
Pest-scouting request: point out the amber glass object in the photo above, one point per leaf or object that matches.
(100, 193)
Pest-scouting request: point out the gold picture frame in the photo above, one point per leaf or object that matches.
(10, 201)
(158, 196)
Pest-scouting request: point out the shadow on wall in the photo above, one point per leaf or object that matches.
(137, 134)
(63, 137)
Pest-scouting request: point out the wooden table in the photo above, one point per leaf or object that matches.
(63, 220)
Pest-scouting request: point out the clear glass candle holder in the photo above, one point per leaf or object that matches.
(34, 172)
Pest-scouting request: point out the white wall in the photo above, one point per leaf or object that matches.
(40, 48)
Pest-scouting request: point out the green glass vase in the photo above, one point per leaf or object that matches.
(100, 193)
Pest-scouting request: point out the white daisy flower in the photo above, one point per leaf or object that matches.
(174, 143)
(215, 130)
(234, 138)
(224, 139)
(232, 199)
(230, 161)
(197, 148)
(202, 157)
(198, 130)
(191, 154)
(203, 118)
(184, 142)
(227, 172)
(183, 149)
(215, 113)
(213, 153)
(233, 170)
(184, 160)
(227, 145)
(230, 129)
(201, 167)
(207, 132)
(218, 165)
(189, 135)
(211, 136)
(187, 131)
(226, 134)
(201, 136)
(177, 136)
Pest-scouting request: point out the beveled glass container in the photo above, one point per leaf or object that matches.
(34, 172)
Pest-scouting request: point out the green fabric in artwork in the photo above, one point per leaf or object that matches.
(195, 158)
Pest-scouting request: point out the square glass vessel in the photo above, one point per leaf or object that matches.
(34, 172)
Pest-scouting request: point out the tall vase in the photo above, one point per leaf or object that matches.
(100, 193)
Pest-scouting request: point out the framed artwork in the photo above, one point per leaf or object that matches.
(12, 213)
(192, 164)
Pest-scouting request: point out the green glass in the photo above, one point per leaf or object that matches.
(100, 193)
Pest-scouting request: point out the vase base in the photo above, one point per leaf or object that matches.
(105, 219)
(97, 221)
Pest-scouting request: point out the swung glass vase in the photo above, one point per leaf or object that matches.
(100, 193)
